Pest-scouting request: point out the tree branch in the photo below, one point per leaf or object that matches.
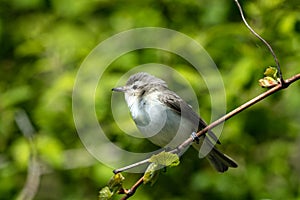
(240, 109)
(132, 190)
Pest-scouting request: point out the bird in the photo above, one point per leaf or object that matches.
(165, 119)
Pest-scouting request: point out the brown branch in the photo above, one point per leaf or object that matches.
(240, 109)
(131, 191)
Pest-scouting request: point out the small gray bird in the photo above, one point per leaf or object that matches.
(166, 119)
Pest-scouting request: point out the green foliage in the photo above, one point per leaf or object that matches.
(271, 77)
(43, 44)
(166, 159)
(152, 173)
(114, 185)
(157, 162)
(105, 193)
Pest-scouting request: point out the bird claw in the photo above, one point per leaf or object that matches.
(195, 137)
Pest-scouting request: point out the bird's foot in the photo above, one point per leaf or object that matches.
(195, 137)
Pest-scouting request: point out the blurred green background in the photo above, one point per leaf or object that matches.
(43, 43)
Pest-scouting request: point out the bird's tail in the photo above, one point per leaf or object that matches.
(221, 162)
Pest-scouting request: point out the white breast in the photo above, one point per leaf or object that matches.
(160, 124)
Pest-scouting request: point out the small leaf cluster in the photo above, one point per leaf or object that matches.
(158, 162)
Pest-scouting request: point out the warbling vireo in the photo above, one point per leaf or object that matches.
(166, 119)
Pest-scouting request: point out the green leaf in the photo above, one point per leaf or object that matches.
(271, 78)
(105, 193)
(165, 159)
(115, 183)
(267, 82)
(152, 173)
(271, 72)
(20, 152)
(113, 186)
(15, 96)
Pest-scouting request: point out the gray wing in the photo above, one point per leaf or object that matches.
(173, 101)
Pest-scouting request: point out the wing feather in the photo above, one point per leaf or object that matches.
(177, 104)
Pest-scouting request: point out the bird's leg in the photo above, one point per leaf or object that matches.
(195, 137)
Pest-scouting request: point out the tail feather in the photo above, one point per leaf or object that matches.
(220, 161)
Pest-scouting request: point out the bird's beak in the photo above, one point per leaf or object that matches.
(119, 89)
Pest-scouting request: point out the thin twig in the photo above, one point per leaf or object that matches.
(241, 108)
(263, 40)
(32, 183)
(131, 166)
(132, 190)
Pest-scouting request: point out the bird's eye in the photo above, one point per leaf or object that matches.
(134, 87)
